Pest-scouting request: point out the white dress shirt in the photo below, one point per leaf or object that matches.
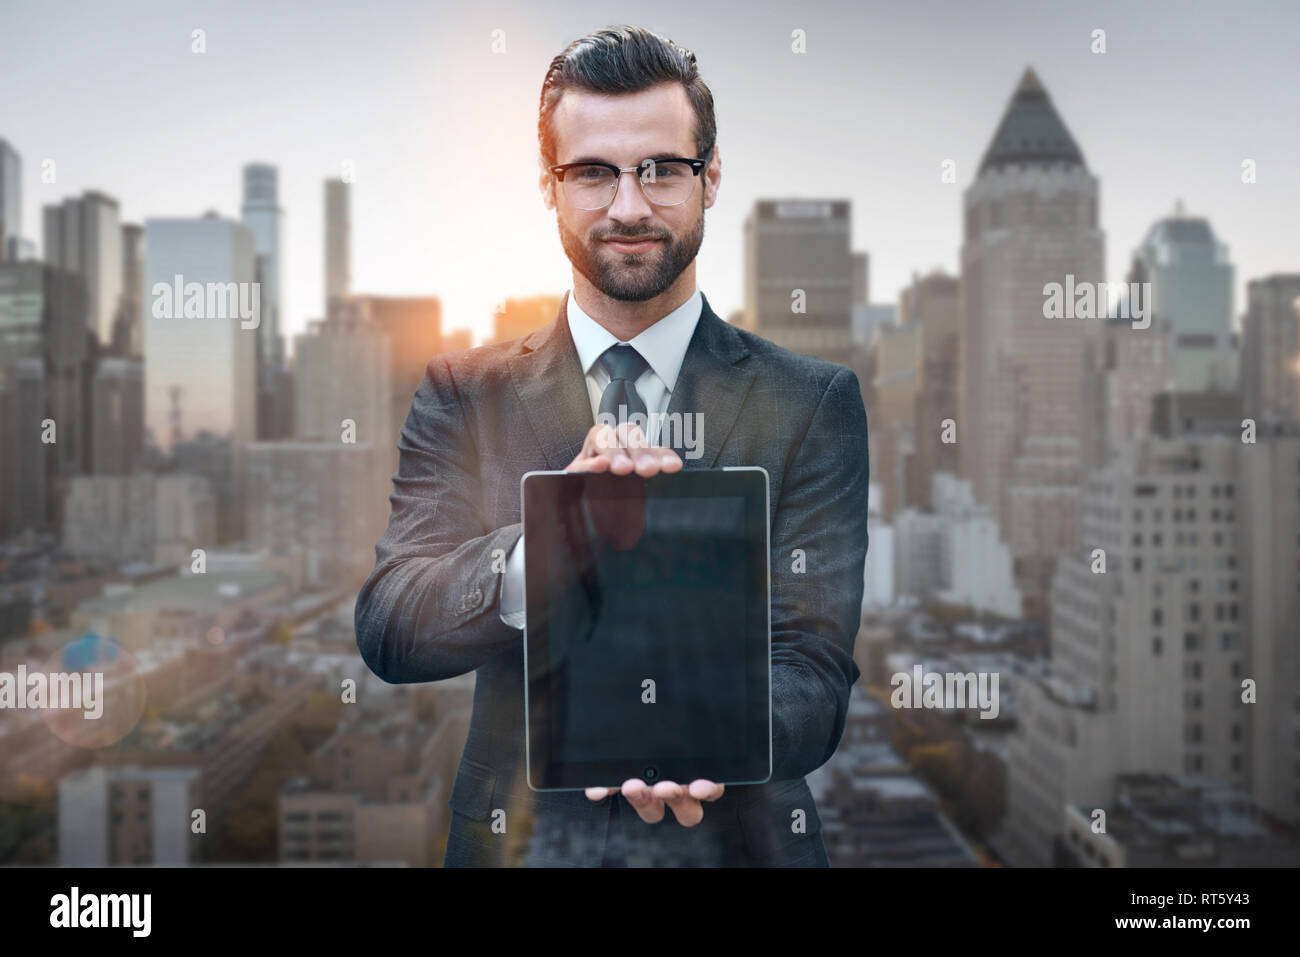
(663, 345)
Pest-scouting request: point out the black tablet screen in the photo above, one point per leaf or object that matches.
(646, 608)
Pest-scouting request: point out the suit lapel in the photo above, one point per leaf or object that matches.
(552, 388)
(711, 384)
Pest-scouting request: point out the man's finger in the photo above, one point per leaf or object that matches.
(592, 463)
(630, 436)
(600, 438)
(686, 809)
(598, 794)
(648, 807)
(703, 790)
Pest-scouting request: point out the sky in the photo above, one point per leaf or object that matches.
(441, 130)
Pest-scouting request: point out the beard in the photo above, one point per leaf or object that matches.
(635, 277)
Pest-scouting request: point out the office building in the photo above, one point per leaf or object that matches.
(1191, 288)
(1031, 219)
(201, 351)
(116, 414)
(84, 236)
(11, 198)
(338, 244)
(44, 345)
(799, 276)
(1270, 354)
(1186, 584)
(109, 816)
(953, 553)
(113, 520)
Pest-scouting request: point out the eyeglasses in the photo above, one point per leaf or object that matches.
(665, 182)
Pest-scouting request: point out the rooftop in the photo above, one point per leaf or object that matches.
(1031, 131)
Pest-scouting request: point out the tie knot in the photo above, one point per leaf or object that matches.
(623, 362)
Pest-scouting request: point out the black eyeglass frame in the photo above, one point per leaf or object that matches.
(695, 164)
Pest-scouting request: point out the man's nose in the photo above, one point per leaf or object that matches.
(630, 204)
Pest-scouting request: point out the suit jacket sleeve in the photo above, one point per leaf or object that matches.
(816, 613)
(430, 608)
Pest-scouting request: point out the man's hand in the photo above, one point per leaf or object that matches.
(649, 802)
(622, 451)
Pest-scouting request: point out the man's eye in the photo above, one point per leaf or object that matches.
(591, 172)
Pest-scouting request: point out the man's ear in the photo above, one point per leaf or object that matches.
(545, 184)
(712, 177)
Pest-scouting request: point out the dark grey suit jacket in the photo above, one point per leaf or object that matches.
(430, 608)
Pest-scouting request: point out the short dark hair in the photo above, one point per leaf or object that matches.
(624, 59)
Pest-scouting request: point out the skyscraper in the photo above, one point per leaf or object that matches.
(933, 304)
(338, 239)
(43, 350)
(11, 197)
(84, 236)
(1191, 289)
(128, 329)
(1030, 221)
(200, 374)
(1270, 350)
(799, 276)
(1127, 368)
(262, 214)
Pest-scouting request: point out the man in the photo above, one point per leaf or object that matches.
(620, 110)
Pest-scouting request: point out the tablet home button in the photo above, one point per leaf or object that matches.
(651, 774)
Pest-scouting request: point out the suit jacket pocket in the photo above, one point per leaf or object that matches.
(471, 794)
(783, 817)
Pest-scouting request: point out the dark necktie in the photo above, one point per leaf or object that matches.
(624, 366)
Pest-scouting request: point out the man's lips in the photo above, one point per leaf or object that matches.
(632, 245)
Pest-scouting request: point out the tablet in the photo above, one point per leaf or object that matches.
(647, 643)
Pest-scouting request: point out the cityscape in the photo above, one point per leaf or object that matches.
(1085, 489)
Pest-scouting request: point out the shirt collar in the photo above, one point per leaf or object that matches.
(663, 345)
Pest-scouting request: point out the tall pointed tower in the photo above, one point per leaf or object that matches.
(1030, 220)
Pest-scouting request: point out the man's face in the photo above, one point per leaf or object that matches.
(624, 130)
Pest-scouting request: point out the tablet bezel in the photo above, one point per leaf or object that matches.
(546, 774)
